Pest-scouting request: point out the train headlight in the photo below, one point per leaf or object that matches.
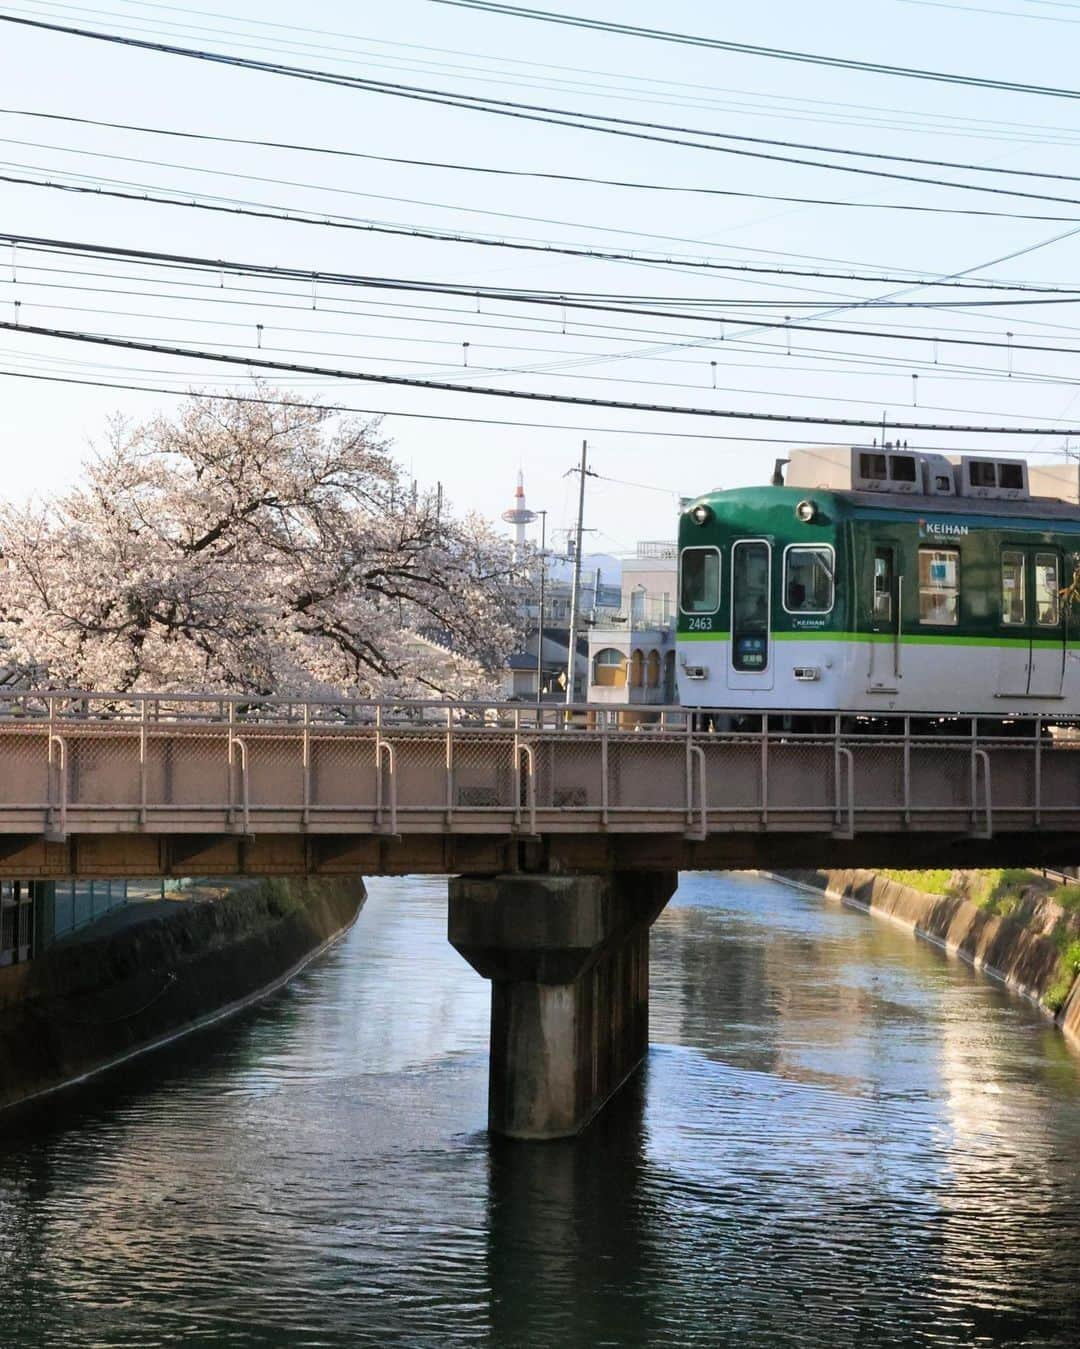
(806, 512)
(701, 515)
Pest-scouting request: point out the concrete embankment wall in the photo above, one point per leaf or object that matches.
(1069, 1016)
(1018, 950)
(86, 1005)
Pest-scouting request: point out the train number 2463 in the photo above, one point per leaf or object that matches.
(700, 624)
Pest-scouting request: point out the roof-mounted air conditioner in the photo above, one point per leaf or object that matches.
(886, 470)
(1000, 479)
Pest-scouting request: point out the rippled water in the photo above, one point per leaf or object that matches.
(841, 1138)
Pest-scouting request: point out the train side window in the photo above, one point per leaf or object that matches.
(699, 581)
(808, 578)
(883, 585)
(939, 586)
(1013, 589)
(1047, 590)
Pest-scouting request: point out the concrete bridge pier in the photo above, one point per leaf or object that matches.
(568, 960)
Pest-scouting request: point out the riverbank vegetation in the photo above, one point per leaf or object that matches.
(1037, 903)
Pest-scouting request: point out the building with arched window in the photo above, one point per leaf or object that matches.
(608, 668)
(632, 649)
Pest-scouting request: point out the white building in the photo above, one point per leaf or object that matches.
(632, 649)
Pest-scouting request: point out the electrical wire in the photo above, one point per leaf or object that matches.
(731, 193)
(751, 49)
(234, 396)
(578, 120)
(548, 300)
(366, 376)
(847, 151)
(503, 62)
(589, 302)
(293, 216)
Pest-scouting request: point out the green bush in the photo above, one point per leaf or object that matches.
(929, 882)
(1068, 969)
(1068, 896)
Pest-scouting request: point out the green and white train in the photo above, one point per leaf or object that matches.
(881, 581)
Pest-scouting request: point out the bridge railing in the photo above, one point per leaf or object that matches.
(77, 762)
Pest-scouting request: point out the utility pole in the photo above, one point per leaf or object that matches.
(571, 657)
(540, 616)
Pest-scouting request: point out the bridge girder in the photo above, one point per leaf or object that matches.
(121, 855)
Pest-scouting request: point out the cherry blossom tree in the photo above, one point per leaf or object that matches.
(252, 545)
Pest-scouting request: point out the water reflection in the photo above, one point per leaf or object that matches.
(841, 1138)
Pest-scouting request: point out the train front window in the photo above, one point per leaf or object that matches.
(1047, 590)
(1013, 590)
(808, 579)
(699, 584)
(939, 587)
(750, 605)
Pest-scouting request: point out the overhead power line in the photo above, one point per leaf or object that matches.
(966, 165)
(504, 63)
(590, 302)
(843, 203)
(728, 193)
(596, 332)
(233, 396)
(752, 49)
(603, 123)
(290, 215)
(444, 386)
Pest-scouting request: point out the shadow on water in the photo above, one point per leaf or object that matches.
(568, 1241)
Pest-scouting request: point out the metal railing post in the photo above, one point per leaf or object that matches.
(765, 769)
(700, 834)
(842, 830)
(449, 766)
(142, 764)
(530, 785)
(688, 739)
(385, 746)
(230, 809)
(378, 764)
(58, 776)
(518, 747)
(1038, 770)
(907, 770)
(981, 756)
(245, 817)
(305, 754)
(605, 765)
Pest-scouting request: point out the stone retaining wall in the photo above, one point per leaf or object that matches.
(1019, 955)
(84, 1006)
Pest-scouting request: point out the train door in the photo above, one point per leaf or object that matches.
(751, 649)
(885, 596)
(1032, 659)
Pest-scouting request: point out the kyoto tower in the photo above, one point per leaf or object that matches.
(519, 516)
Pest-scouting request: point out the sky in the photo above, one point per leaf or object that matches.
(717, 359)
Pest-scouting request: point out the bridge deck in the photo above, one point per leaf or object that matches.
(279, 775)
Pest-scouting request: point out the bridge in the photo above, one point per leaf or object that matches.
(563, 828)
(116, 785)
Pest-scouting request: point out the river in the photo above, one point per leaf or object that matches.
(841, 1138)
